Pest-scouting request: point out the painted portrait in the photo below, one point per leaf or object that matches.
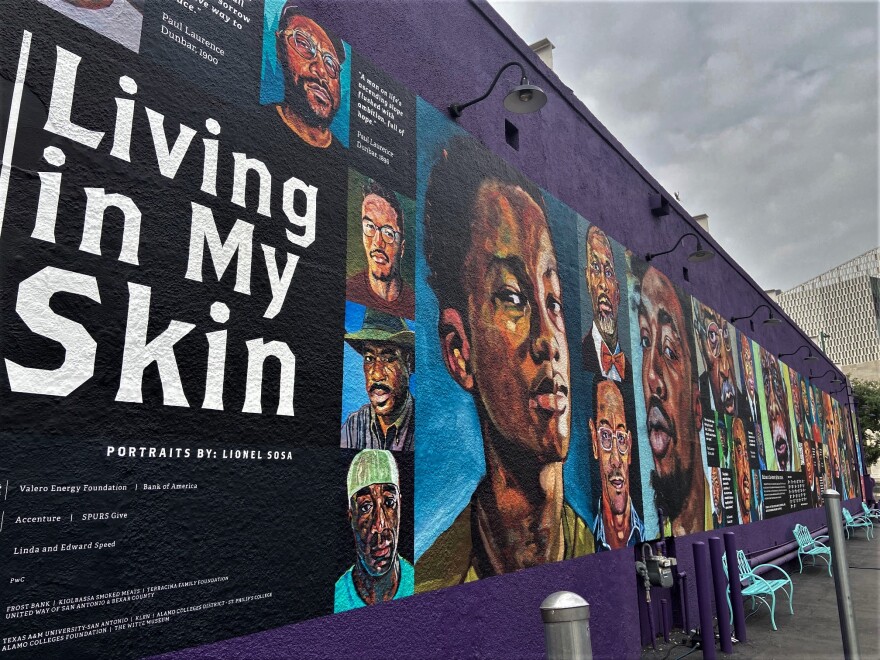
(378, 386)
(379, 264)
(777, 429)
(667, 382)
(305, 76)
(500, 337)
(375, 504)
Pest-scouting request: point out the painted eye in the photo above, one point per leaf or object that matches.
(670, 353)
(644, 342)
(512, 297)
(554, 305)
(331, 65)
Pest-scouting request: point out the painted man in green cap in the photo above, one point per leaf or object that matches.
(379, 574)
(388, 420)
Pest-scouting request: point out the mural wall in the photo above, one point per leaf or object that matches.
(229, 244)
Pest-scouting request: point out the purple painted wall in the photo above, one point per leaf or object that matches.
(447, 52)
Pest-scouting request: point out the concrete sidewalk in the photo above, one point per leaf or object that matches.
(814, 630)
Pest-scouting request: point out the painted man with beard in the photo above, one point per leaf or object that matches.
(388, 420)
(380, 285)
(743, 473)
(618, 524)
(311, 61)
(492, 266)
(672, 401)
(777, 410)
(601, 349)
(718, 383)
(379, 573)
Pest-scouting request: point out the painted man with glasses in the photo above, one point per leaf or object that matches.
(388, 420)
(311, 61)
(380, 285)
(617, 522)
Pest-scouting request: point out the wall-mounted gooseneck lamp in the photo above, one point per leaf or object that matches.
(770, 320)
(809, 358)
(698, 255)
(836, 380)
(522, 99)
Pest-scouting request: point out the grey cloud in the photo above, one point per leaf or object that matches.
(763, 115)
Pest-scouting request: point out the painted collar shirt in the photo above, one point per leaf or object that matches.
(347, 598)
(636, 529)
(362, 429)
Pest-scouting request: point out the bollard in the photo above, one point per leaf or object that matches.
(704, 599)
(841, 577)
(566, 627)
(739, 614)
(719, 581)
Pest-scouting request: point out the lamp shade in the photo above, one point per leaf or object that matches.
(524, 99)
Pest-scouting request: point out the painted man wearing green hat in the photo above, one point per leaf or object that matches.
(388, 420)
(379, 574)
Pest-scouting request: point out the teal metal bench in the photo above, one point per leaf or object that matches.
(873, 514)
(811, 547)
(855, 523)
(757, 587)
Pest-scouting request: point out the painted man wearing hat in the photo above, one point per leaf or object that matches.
(379, 574)
(388, 420)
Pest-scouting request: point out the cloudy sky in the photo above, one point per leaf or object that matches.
(762, 115)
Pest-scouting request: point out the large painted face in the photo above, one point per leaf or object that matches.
(718, 355)
(741, 462)
(311, 66)
(519, 352)
(603, 285)
(374, 512)
(748, 366)
(671, 398)
(612, 447)
(777, 409)
(386, 377)
(382, 237)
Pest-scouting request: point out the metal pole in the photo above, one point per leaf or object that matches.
(841, 576)
(566, 619)
(739, 614)
(683, 594)
(704, 599)
(719, 581)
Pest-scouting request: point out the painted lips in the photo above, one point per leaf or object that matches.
(550, 396)
(319, 93)
(379, 393)
(603, 304)
(660, 429)
(379, 257)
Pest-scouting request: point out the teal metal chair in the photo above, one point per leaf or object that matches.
(855, 523)
(760, 588)
(873, 514)
(811, 547)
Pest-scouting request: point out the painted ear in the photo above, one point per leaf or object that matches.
(455, 347)
(593, 437)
